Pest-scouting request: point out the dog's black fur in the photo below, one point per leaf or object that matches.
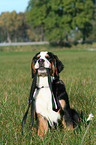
(70, 115)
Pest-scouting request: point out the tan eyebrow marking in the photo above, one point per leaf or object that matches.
(38, 55)
(46, 55)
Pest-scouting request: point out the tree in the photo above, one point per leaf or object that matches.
(4, 18)
(13, 27)
(92, 35)
(36, 16)
(57, 18)
(83, 15)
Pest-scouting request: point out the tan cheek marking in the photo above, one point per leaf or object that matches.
(53, 69)
(55, 66)
(33, 67)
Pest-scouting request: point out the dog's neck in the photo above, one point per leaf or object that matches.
(42, 82)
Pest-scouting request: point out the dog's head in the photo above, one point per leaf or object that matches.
(46, 60)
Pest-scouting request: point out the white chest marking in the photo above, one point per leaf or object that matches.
(44, 101)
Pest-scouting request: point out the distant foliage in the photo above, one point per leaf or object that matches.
(12, 26)
(57, 18)
(50, 20)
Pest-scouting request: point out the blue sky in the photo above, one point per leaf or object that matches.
(10, 5)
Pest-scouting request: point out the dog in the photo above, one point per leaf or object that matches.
(48, 96)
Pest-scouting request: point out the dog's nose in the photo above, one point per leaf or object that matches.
(41, 63)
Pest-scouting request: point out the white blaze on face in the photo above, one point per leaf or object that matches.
(43, 54)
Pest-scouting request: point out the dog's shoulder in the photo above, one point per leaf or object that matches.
(59, 90)
(59, 86)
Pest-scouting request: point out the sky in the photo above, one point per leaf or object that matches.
(10, 5)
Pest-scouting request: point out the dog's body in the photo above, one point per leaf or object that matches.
(49, 94)
(44, 101)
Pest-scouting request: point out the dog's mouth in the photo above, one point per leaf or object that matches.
(42, 71)
(41, 68)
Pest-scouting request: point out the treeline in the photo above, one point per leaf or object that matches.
(50, 20)
(14, 28)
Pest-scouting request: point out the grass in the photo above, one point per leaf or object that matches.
(79, 76)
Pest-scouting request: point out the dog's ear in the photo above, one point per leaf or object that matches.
(59, 64)
(33, 70)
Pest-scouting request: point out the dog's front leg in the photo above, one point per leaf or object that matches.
(42, 125)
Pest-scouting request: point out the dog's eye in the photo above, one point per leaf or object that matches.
(49, 58)
(38, 57)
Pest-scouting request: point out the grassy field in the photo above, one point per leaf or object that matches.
(79, 75)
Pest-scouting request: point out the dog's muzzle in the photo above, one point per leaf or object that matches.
(42, 64)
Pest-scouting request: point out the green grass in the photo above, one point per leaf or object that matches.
(79, 76)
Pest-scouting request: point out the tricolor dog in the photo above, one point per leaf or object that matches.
(48, 97)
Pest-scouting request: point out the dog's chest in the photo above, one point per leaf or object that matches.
(44, 101)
